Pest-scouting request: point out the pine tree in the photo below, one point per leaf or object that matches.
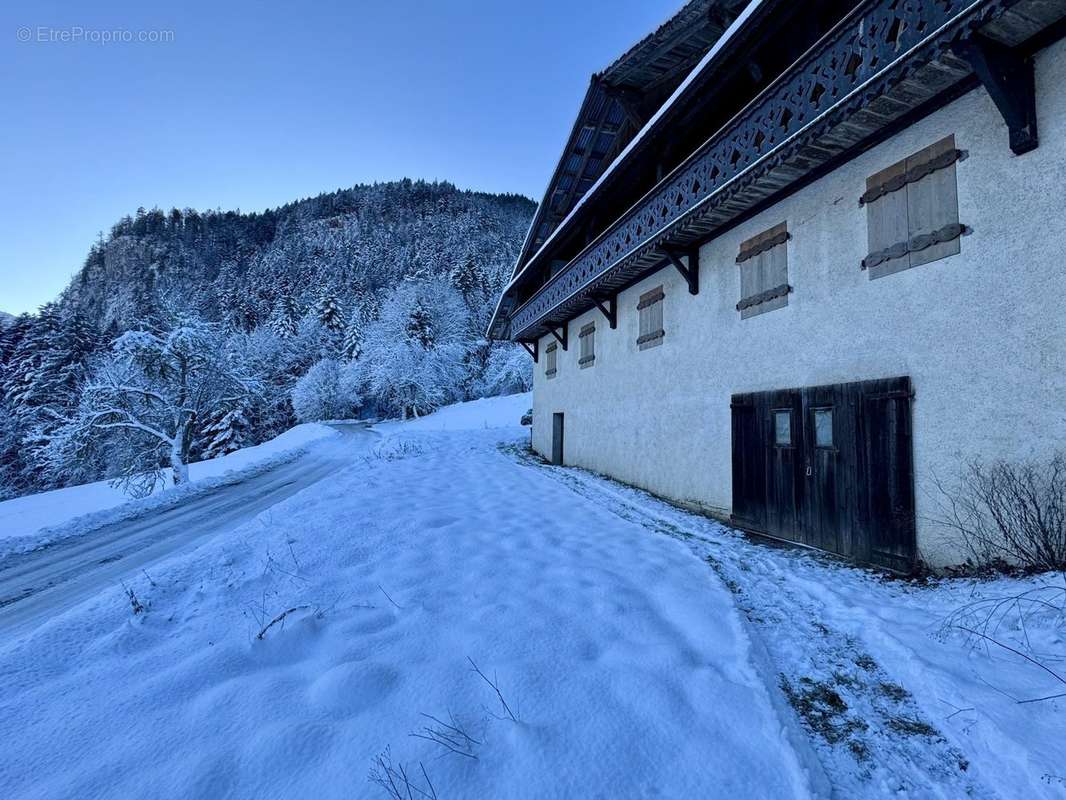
(286, 316)
(228, 433)
(328, 313)
(352, 347)
(466, 276)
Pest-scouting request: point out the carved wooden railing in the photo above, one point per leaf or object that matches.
(858, 60)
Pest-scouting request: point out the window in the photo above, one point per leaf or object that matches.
(763, 264)
(783, 428)
(912, 211)
(588, 345)
(650, 308)
(550, 364)
(823, 427)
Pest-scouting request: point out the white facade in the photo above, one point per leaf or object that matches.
(982, 334)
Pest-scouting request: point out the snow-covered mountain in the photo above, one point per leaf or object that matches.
(371, 299)
(6, 319)
(247, 270)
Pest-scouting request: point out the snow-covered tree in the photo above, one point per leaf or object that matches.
(226, 434)
(413, 355)
(328, 313)
(509, 370)
(286, 316)
(146, 398)
(352, 346)
(329, 390)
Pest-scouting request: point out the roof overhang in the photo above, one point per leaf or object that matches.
(881, 65)
(617, 106)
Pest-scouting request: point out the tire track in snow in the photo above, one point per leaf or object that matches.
(42, 582)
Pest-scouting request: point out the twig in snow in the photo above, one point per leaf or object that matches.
(149, 577)
(134, 602)
(1041, 699)
(1007, 647)
(495, 687)
(293, 554)
(279, 618)
(449, 736)
(389, 598)
(394, 780)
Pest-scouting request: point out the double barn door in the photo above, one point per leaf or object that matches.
(830, 467)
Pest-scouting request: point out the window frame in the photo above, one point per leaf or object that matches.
(815, 411)
(774, 412)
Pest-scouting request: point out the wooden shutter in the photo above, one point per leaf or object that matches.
(912, 210)
(650, 309)
(550, 369)
(763, 262)
(588, 345)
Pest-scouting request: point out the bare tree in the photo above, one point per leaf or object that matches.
(145, 399)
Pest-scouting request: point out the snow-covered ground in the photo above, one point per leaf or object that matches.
(638, 651)
(30, 521)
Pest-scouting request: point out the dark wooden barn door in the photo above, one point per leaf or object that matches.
(827, 417)
(557, 438)
(749, 463)
(786, 483)
(887, 441)
(828, 466)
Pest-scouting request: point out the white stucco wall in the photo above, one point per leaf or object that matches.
(982, 334)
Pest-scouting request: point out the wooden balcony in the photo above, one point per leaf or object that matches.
(883, 65)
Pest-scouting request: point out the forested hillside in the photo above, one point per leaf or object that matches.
(188, 334)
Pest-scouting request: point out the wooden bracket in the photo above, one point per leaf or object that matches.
(1009, 80)
(610, 310)
(691, 273)
(560, 337)
(533, 348)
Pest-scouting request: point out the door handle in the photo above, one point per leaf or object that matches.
(808, 470)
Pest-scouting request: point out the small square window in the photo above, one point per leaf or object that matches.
(783, 428)
(823, 427)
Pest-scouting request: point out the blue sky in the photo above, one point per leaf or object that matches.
(251, 105)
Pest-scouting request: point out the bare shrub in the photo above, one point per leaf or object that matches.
(449, 735)
(393, 450)
(1003, 623)
(1005, 513)
(135, 604)
(397, 783)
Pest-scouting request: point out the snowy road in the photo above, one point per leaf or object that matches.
(40, 583)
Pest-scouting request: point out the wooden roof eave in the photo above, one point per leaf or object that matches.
(834, 131)
(723, 48)
(676, 31)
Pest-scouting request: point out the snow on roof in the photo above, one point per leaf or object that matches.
(710, 58)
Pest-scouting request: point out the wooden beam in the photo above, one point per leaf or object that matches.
(1009, 80)
(533, 348)
(561, 337)
(610, 310)
(690, 273)
(629, 100)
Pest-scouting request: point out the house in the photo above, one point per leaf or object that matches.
(799, 261)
